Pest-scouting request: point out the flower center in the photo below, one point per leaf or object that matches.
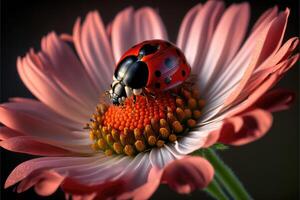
(144, 122)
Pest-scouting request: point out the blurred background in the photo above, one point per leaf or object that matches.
(269, 168)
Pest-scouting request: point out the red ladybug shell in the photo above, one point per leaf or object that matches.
(167, 66)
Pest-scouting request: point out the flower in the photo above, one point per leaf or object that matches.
(234, 77)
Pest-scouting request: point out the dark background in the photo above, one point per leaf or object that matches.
(269, 168)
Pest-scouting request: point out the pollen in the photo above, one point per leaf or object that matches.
(145, 122)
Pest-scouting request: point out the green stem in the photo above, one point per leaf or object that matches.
(226, 176)
(215, 190)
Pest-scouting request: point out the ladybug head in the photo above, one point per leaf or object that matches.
(131, 74)
(130, 78)
(119, 92)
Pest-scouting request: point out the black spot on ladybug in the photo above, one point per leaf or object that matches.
(157, 73)
(170, 62)
(183, 73)
(168, 80)
(147, 49)
(157, 85)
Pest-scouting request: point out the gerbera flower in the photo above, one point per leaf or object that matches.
(233, 73)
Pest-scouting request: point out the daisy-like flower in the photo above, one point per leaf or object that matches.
(122, 156)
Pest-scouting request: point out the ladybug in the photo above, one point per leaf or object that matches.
(152, 65)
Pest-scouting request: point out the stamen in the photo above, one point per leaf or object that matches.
(148, 122)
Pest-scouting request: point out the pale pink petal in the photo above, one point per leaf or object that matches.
(43, 86)
(92, 44)
(236, 68)
(29, 124)
(186, 26)
(226, 40)
(105, 176)
(265, 49)
(188, 174)
(131, 27)
(123, 32)
(44, 131)
(196, 138)
(197, 30)
(136, 172)
(27, 144)
(160, 157)
(59, 60)
(148, 25)
(112, 168)
(267, 83)
(255, 124)
(260, 76)
(257, 80)
(40, 110)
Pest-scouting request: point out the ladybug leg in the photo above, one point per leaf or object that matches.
(145, 94)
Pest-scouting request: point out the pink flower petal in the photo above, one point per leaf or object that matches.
(148, 25)
(268, 15)
(237, 67)
(261, 88)
(40, 110)
(212, 138)
(160, 157)
(187, 174)
(226, 40)
(45, 182)
(196, 138)
(39, 164)
(78, 191)
(84, 176)
(48, 91)
(255, 124)
(27, 144)
(276, 100)
(6, 133)
(266, 47)
(186, 26)
(44, 131)
(128, 28)
(146, 190)
(92, 44)
(197, 30)
(59, 60)
(283, 53)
